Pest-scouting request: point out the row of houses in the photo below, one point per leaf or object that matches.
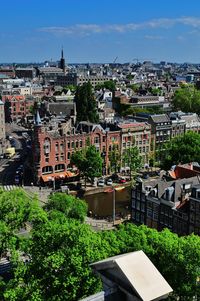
(172, 202)
(57, 138)
(56, 141)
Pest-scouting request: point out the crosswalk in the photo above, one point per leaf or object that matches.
(8, 187)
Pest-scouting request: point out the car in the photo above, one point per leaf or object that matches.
(122, 180)
(109, 182)
(17, 179)
(115, 177)
(2, 156)
(101, 182)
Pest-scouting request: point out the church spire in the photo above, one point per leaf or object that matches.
(62, 53)
(62, 61)
(38, 119)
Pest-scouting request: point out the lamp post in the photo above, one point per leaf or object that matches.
(114, 206)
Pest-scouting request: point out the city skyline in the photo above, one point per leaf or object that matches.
(100, 31)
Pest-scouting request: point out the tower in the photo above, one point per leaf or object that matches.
(62, 61)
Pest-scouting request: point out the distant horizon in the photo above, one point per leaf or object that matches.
(99, 31)
(98, 63)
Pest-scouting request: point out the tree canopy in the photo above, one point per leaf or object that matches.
(187, 99)
(88, 161)
(181, 149)
(71, 206)
(132, 159)
(109, 85)
(61, 247)
(86, 106)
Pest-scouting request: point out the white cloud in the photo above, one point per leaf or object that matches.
(152, 37)
(86, 29)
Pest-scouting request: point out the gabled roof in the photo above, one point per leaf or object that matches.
(135, 272)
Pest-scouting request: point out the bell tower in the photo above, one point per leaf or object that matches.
(62, 61)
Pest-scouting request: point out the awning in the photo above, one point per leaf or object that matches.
(70, 174)
(47, 178)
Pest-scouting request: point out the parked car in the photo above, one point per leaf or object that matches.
(122, 180)
(109, 182)
(2, 156)
(17, 179)
(101, 182)
(115, 177)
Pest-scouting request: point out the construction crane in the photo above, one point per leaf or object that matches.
(115, 60)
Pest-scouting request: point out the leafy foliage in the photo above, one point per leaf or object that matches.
(85, 104)
(61, 248)
(181, 149)
(114, 158)
(131, 158)
(109, 85)
(187, 99)
(71, 206)
(88, 161)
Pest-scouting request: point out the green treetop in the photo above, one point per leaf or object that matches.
(181, 149)
(187, 99)
(86, 106)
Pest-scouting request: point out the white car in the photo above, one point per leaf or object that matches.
(101, 182)
(109, 182)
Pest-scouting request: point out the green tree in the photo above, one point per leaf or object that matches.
(132, 159)
(17, 209)
(71, 206)
(109, 85)
(181, 149)
(86, 104)
(114, 158)
(59, 268)
(187, 99)
(89, 162)
(181, 254)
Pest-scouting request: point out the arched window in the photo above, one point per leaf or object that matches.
(57, 147)
(59, 167)
(47, 146)
(47, 169)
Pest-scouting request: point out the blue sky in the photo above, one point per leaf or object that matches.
(100, 30)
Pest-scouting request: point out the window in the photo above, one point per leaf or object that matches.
(104, 138)
(62, 157)
(47, 169)
(142, 207)
(56, 147)
(76, 144)
(138, 205)
(47, 159)
(61, 147)
(137, 217)
(57, 158)
(80, 143)
(68, 156)
(96, 140)
(68, 144)
(72, 144)
(59, 167)
(47, 146)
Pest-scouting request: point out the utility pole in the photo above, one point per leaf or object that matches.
(114, 206)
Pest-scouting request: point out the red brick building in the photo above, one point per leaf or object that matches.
(53, 147)
(17, 106)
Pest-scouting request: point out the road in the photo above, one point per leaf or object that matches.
(8, 166)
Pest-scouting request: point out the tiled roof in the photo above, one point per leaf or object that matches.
(160, 118)
(130, 125)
